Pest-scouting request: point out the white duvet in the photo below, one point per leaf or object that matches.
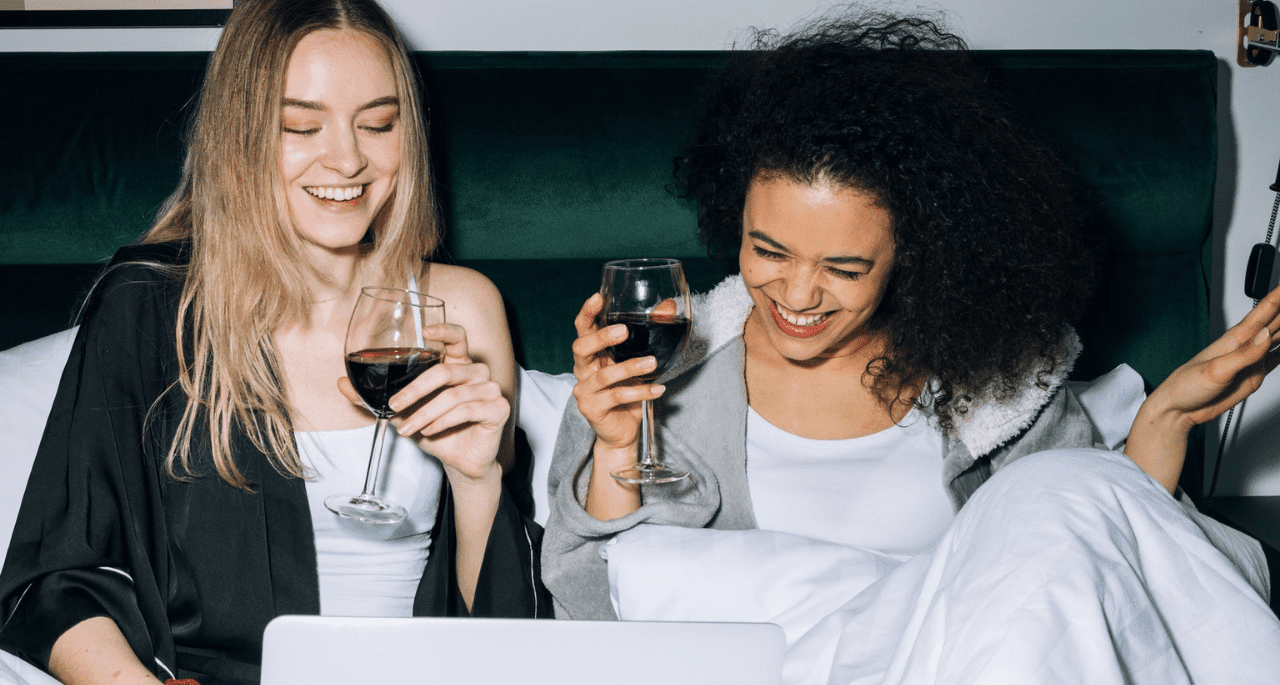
(15, 671)
(1071, 566)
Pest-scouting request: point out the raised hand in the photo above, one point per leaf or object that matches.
(454, 410)
(1213, 381)
(608, 393)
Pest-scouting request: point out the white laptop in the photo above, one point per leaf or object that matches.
(324, 650)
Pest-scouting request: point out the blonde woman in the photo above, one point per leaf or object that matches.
(175, 506)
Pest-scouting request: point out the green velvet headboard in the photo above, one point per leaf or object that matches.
(549, 163)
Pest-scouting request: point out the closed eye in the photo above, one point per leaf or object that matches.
(846, 275)
(301, 131)
(386, 128)
(767, 254)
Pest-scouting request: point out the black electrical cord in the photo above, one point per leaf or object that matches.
(1271, 225)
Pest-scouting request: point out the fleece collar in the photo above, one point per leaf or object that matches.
(988, 423)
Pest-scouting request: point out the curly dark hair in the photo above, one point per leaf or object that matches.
(992, 262)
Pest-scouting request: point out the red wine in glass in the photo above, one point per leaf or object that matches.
(385, 351)
(651, 298)
(659, 336)
(381, 372)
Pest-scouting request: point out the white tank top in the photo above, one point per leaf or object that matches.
(370, 570)
(882, 491)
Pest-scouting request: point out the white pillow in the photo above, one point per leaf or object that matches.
(669, 573)
(15, 671)
(29, 375)
(1112, 401)
(542, 401)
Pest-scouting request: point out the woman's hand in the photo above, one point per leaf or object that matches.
(609, 397)
(607, 393)
(454, 410)
(1221, 376)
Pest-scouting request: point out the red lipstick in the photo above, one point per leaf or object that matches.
(797, 331)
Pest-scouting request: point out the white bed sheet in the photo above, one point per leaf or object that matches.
(1070, 566)
(15, 671)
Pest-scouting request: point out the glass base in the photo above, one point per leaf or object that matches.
(365, 508)
(648, 474)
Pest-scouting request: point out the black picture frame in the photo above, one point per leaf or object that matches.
(32, 19)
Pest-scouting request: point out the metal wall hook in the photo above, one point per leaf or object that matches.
(1258, 33)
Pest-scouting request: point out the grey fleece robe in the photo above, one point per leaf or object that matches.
(703, 420)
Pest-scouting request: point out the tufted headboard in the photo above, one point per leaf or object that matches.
(549, 163)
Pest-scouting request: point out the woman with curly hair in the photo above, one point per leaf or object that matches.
(911, 262)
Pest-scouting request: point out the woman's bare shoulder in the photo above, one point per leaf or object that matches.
(470, 297)
(458, 283)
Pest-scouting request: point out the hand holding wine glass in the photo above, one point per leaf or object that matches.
(606, 394)
(385, 351)
(455, 410)
(631, 332)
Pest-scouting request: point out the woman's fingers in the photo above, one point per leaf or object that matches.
(600, 403)
(1224, 368)
(609, 399)
(589, 351)
(1240, 373)
(1269, 306)
(590, 345)
(1266, 315)
(349, 391)
(1202, 390)
(454, 338)
(474, 403)
(614, 376)
(621, 372)
(437, 377)
(589, 348)
(585, 321)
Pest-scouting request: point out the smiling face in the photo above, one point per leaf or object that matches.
(816, 260)
(339, 148)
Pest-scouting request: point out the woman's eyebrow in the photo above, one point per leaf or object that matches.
(758, 235)
(380, 102)
(321, 107)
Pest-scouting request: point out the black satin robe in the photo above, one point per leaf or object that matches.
(190, 571)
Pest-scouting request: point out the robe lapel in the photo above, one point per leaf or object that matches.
(291, 545)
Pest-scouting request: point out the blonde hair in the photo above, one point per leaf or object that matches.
(246, 274)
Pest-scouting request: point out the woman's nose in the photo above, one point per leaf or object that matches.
(343, 154)
(800, 289)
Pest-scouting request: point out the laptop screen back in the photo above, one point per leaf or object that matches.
(319, 650)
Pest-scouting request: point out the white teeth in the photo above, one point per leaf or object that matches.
(798, 320)
(336, 193)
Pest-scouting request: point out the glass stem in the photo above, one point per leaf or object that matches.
(375, 458)
(648, 446)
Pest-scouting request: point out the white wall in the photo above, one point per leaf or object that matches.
(1249, 143)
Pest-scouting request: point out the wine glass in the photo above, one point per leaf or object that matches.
(651, 298)
(385, 351)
